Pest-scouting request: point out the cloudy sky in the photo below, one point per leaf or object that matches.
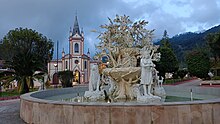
(53, 18)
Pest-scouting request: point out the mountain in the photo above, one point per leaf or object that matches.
(187, 41)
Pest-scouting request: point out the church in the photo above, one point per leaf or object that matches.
(75, 60)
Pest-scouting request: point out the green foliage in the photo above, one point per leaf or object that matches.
(178, 99)
(198, 63)
(168, 62)
(26, 51)
(9, 93)
(5, 78)
(182, 73)
(165, 40)
(213, 41)
(187, 41)
(216, 78)
(66, 78)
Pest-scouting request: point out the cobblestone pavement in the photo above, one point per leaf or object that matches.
(9, 112)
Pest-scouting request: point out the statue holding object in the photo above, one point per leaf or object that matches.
(147, 66)
(124, 42)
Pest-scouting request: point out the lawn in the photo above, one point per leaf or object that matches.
(14, 92)
(178, 99)
(173, 81)
(9, 93)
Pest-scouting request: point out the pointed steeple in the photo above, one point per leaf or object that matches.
(88, 53)
(76, 26)
(63, 53)
(82, 33)
(71, 33)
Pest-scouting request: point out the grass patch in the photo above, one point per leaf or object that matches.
(13, 92)
(9, 93)
(178, 99)
(173, 81)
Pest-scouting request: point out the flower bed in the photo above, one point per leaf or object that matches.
(9, 97)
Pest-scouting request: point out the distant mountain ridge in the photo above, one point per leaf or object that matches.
(187, 41)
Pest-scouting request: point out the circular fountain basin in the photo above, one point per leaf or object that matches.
(37, 107)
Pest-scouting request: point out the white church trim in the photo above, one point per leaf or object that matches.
(74, 61)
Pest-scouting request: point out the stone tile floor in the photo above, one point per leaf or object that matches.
(9, 112)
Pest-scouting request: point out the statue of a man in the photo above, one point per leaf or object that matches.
(147, 66)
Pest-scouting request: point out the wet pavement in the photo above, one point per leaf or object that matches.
(9, 112)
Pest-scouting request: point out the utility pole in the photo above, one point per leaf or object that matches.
(70, 46)
(57, 80)
(57, 54)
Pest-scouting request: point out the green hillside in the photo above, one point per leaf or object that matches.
(187, 41)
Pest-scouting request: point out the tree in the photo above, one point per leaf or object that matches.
(182, 73)
(66, 78)
(168, 62)
(198, 63)
(1, 49)
(25, 51)
(213, 41)
(165, 40)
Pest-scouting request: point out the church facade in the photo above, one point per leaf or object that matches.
(75, 60)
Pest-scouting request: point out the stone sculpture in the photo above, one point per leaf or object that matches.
(94, 92)
(131, 55)
(42, 78)
(94, 78)
(147, 66)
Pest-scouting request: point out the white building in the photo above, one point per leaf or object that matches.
(75, 60)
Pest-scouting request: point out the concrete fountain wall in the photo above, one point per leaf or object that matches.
(35, 109)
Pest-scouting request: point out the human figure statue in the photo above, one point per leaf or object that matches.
(147, 67)
(94, 80)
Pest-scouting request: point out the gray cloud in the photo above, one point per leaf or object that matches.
(53, 18)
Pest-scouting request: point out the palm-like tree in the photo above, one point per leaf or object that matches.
(26, 51)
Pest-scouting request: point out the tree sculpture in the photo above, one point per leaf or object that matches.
(123, 39)
(125, 42)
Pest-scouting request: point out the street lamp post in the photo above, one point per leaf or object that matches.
(56, 70)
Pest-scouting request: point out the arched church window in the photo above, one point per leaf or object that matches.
(76, 48)
(66, 64)
(85, 64)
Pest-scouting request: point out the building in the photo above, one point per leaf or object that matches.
(75, 60)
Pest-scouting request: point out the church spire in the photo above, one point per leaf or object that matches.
(88, 53)
(76, 26)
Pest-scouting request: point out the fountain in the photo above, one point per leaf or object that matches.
(135, 93)
(126, 44)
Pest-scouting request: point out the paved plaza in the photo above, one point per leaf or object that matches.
(9, 112)
(9, 109)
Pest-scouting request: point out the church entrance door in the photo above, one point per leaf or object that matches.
(76, 78)
(55, 79)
